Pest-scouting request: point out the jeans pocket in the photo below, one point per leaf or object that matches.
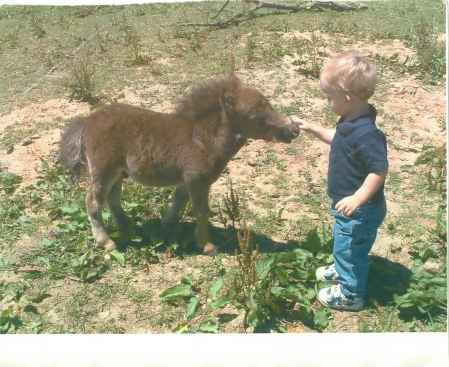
(343, 225)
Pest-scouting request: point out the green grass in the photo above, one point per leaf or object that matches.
(142, 46)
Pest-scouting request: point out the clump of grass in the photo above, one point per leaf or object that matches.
(431, 53)
(83, 73)
(36, 24)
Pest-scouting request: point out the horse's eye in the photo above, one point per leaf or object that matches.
(257, 120)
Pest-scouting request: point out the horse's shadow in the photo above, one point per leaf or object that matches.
(385, 278)
(181, 238)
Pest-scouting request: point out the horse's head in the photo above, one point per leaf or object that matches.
(252, 114)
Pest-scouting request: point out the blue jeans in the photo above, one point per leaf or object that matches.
(353, 239)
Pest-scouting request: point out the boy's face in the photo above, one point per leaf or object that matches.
(339, 102)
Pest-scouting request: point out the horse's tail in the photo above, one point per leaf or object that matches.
(71, 149)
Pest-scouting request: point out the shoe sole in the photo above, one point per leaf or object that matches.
(342, 307)
(333, 281)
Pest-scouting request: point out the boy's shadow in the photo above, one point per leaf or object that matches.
(385, 279)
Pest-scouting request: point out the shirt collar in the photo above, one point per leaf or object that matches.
(347, 127)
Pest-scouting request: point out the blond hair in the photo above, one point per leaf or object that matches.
(350, 72)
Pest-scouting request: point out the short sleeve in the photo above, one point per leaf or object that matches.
(372, 149)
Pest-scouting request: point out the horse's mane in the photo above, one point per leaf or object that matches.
(202, 101)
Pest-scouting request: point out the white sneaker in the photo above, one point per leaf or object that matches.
(334, 298)
(328, 274)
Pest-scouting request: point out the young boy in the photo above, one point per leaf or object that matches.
(358, 166)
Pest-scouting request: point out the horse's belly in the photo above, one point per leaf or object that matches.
(157, 178)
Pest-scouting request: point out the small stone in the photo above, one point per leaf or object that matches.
(431, 266)
(274, 194)
(391, 226)
(103, 315)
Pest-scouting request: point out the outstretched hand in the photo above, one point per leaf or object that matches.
(302, 124)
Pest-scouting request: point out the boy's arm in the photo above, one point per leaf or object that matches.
(326, 135)
(350, 204)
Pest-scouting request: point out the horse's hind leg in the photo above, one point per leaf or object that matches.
(95, 200)
(180, 198)
(115, 206)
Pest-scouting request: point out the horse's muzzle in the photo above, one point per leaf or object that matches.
(290, 132)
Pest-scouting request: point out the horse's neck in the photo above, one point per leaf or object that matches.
(220, 146)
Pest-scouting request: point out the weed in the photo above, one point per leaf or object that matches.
(250, 49)
(231, 210)
(9, 181)
(36, 24)
(311, 53)
(82, 85)
(101, 40)
(431, 54)
(434, 162)
(264, 288)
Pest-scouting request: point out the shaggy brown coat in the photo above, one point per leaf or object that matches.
(188, 149)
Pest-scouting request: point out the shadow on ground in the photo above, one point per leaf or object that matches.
(385, 279)
(182, 236)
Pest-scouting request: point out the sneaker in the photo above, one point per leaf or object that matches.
(334, 298)
(328, 274)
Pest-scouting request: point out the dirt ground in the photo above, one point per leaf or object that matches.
(419, 107)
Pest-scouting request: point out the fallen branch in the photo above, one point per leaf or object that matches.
(270, 5)
(338, 6)
(244, 14)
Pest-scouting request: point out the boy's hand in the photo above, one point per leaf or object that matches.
(302, 124)
(348, 205)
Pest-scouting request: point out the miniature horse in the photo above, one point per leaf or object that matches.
(188, 148)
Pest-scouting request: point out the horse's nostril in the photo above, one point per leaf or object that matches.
(291, 129)
(295, 130)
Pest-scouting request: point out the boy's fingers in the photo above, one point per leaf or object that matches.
(296, 119)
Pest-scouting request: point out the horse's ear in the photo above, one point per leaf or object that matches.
(234, 80)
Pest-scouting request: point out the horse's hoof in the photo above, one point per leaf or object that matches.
(208, 249)
(109, 246)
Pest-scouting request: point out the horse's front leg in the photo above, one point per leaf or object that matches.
(200, 202)
(180, 198)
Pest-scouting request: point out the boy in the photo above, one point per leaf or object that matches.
(358, 166)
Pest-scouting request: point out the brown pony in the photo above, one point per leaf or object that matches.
(188, 149)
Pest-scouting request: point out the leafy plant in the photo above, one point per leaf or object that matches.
(311, 53)
(427, 292)
(434, 162)
(263, 288)
(9, 181)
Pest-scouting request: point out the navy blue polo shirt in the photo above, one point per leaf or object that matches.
(358, 148)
